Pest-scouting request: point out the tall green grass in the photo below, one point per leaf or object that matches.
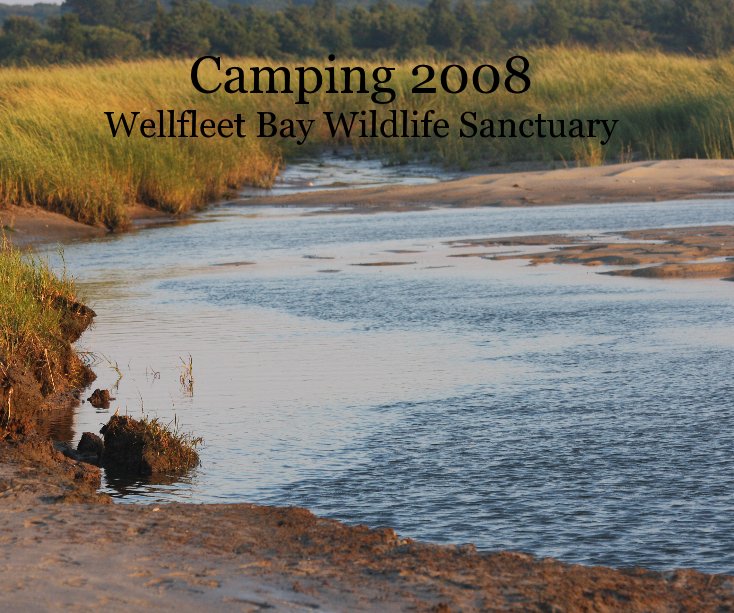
(56, 150)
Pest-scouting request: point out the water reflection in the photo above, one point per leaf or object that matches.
(120, 485)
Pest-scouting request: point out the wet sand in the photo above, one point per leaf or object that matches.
(27, 226)
(693, 252)
(32, 225)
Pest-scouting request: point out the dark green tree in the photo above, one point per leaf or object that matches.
(444, 31)
(701, 25)
(94, 12)
(478, 32)
(104, 43)
(551, 22)
(19, 36)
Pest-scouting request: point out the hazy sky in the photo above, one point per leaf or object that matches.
(31, 1)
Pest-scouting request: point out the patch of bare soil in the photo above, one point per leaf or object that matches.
(26, 226)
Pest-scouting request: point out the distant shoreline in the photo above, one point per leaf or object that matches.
(518, 185)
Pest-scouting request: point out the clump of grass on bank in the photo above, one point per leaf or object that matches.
(34, 307)
(56, 150)
(40, 318)
(148, 446)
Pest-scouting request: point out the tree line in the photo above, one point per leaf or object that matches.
(88, 30)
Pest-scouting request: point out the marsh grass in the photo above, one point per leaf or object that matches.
(56, 150)
(186, 375)
(33, 307)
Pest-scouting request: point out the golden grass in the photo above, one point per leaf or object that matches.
(668, 107)
(56, 150)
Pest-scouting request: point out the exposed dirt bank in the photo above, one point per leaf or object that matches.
(693, 252)
(634, 182)
(38, 382)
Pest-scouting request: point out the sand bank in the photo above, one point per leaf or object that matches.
(31, 225)
(692, 252)
(633, 182)
(27, 226)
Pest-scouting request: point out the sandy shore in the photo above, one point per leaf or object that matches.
(29, 226)
(634, 182)
(61, 548)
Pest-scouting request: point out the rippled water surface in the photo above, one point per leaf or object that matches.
(548, 409)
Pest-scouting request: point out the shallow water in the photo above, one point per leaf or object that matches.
(548, 409)
(338, 171)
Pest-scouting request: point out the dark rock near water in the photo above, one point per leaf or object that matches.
(91, 448)
(100, 399)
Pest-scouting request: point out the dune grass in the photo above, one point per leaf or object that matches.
(56, 150)
(33, 306)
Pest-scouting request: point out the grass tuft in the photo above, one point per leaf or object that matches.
(148, 446)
